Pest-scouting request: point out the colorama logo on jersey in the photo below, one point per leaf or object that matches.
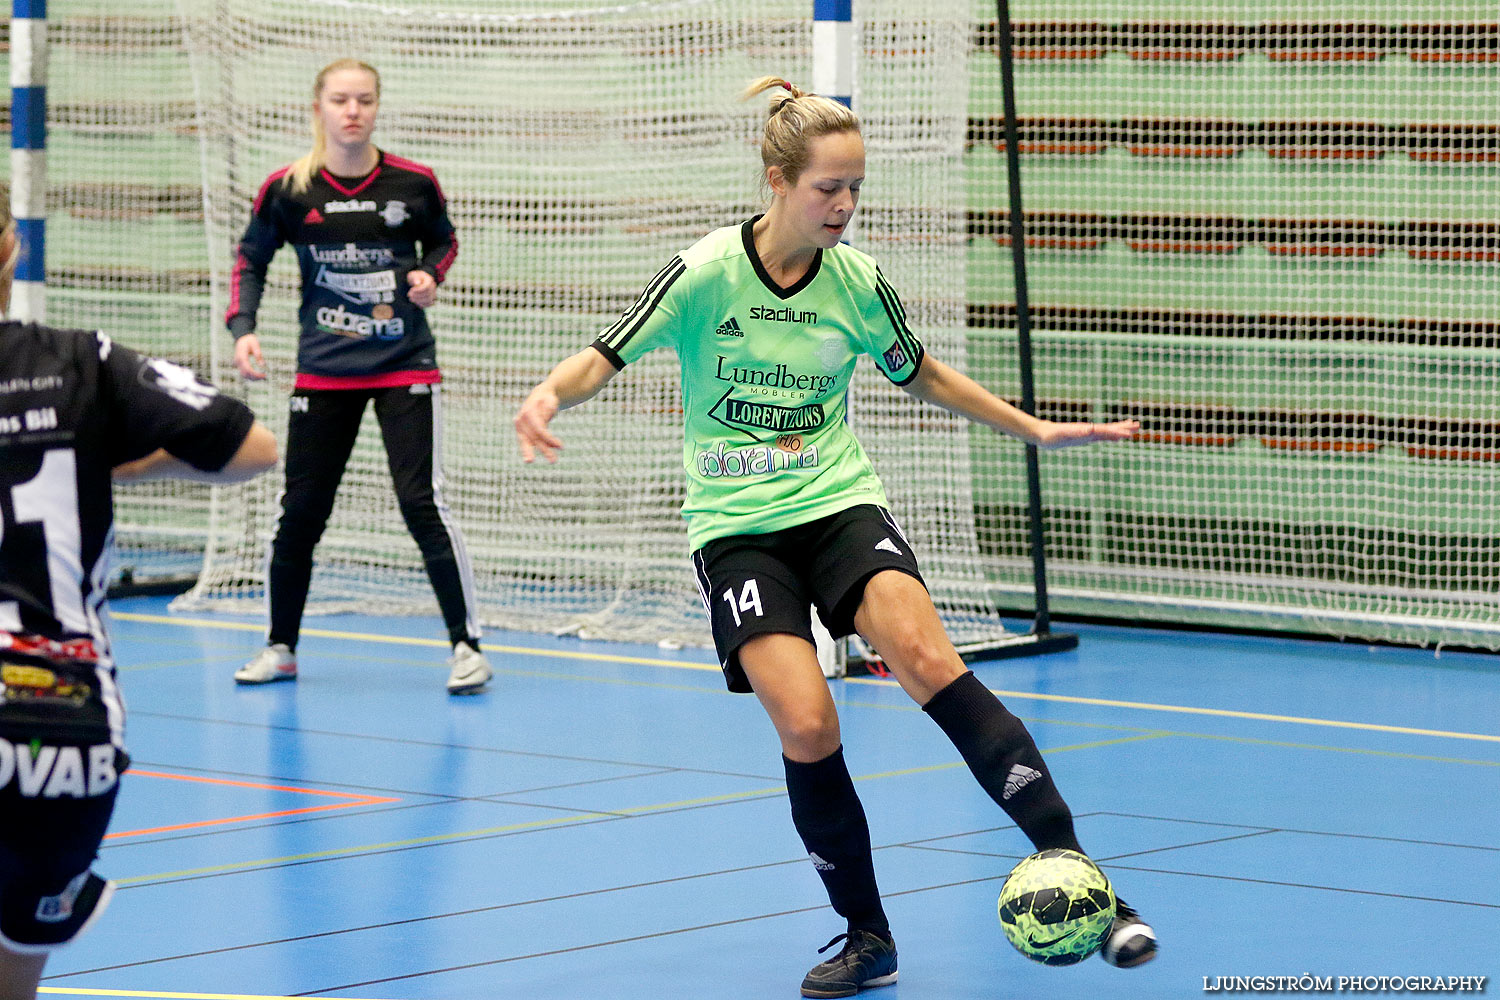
(729, 328)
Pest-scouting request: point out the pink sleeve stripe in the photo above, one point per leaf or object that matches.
(447, 261)
(234, 286)
(402, 163)
(278, 175)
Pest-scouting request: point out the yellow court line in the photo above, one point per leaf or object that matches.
(154, 995)
(1145, 706)
(401, 640)
(1226, 713)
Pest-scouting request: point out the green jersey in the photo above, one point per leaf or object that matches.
(765, 375)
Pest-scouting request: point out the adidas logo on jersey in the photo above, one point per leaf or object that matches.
(729, 328)
(887, 546)
(1019, 777)
(313, 218)
(819, 863)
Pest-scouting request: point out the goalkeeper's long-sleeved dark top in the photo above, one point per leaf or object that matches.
(356, 241)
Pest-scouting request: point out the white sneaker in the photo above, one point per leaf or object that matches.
(274, 663)
(471, 671)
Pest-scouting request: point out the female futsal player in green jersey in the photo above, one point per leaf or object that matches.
(784, 509)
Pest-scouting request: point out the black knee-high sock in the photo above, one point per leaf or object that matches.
(831, 822)
(1004, 758)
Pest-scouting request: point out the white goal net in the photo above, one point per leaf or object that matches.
(1267, 229)
(580, 149)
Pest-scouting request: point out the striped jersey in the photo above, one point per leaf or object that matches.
(73, 405)
(356, 240)
(765, 376)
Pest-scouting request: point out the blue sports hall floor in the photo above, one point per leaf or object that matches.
(608, 821)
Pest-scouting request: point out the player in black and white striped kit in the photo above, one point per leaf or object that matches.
(373, 242)
(74, 406)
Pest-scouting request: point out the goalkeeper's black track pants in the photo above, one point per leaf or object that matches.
(321, 430)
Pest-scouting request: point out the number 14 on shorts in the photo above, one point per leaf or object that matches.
(749, 600)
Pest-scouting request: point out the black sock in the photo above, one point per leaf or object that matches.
(1004, 758)
(829, 818)
(288, 584)
(448, 587)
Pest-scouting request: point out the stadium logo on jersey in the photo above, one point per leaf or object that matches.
(360, 289)
(729, 328)
(177, 382)
(394, 213)
(780, 377)
(39, 770)
(784, 315)
(355, 255)
(352, 205)
(313, 217)
(344, 323)
(895, 357)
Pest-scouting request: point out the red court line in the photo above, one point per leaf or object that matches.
(353, 800)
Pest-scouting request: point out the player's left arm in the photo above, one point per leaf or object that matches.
(942, 385)
(256, 454)
(164, 422)
(439, 250)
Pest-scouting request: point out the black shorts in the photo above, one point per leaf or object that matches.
(758, 584)
(59, 775)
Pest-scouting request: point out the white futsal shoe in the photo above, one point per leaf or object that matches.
(274, 663)
(470, 670)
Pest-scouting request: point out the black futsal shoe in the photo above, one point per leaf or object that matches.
(1131, 940)
(867, 960)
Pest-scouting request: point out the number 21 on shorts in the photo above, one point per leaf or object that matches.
(749, 600)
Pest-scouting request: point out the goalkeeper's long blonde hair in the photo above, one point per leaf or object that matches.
(300, 174)
(794, 119)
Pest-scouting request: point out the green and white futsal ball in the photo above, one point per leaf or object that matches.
(1057, 907)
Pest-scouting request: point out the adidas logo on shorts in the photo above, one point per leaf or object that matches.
(1019, 777)
(729, 328)
(819, 863)
(887, 546)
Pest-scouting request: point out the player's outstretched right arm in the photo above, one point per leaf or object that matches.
(573, 381)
